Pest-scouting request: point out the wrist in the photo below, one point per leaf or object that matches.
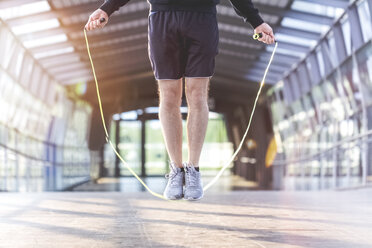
(102, 11)
(256, 22)
(107, 7)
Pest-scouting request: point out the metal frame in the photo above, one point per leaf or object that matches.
(310, 66)
(137, 9)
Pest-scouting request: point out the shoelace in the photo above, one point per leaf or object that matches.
(192, 176)
(174, 172)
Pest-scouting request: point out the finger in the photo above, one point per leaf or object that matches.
(269, 39)
(264, 38)
(99, 24)
(91, 26)
(272, 35)
(87, 26)
(95, 24)
(91, 18)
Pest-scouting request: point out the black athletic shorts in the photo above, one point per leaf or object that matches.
(182, 44)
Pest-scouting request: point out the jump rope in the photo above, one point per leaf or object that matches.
(219, 174)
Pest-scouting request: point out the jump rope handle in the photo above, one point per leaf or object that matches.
(102, 20)
(259, 36)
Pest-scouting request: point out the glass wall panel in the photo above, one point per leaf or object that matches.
(156, 154)
(365, 20)
(326, 134)
(130, 146)
(29, 160)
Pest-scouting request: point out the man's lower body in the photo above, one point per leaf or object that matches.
(183, 44)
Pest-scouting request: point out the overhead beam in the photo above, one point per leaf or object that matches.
(235, 73)
(232, 20)
(246, 64)
(114, 63)
(313, 35)
(110, 69)
(331, 3)
(65, 60)
(258, 54)
(114, 69)
(104, 72)
(130, 19)
(79, 44)
(275, 67)
(132, 45)
(248, 79)
(57, 13)
(128, 78)
(143, 83)
(236, 85)
(107, 53)
(4, 4)
(246, 57)
(91, 6)
(241, 37)
(269, 80)
(244, 72)
(295, 14)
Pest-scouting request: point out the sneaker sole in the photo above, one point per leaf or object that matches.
(173, 198)
(194, 199)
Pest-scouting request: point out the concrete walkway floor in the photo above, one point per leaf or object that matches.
(235, 219)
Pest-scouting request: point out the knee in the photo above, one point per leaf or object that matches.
(170, 98)
(197, 98)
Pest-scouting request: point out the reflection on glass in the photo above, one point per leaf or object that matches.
(130, 145)
(43, 140)
(319, 132)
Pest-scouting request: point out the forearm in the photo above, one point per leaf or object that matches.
(110, 6)
(246, 9)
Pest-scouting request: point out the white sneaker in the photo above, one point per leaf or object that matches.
(174, 188)
(193, 183)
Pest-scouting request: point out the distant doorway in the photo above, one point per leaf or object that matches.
(141, 144)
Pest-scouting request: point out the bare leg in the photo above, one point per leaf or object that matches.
(198, 114)
(170, 94)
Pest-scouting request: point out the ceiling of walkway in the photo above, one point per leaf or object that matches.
(52, 31)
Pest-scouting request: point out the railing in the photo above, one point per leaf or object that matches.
(33, 101)
(336, 69)
(360, 138)
(29, 164)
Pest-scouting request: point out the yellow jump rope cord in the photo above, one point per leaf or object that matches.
(215, 179)
(105, 128)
